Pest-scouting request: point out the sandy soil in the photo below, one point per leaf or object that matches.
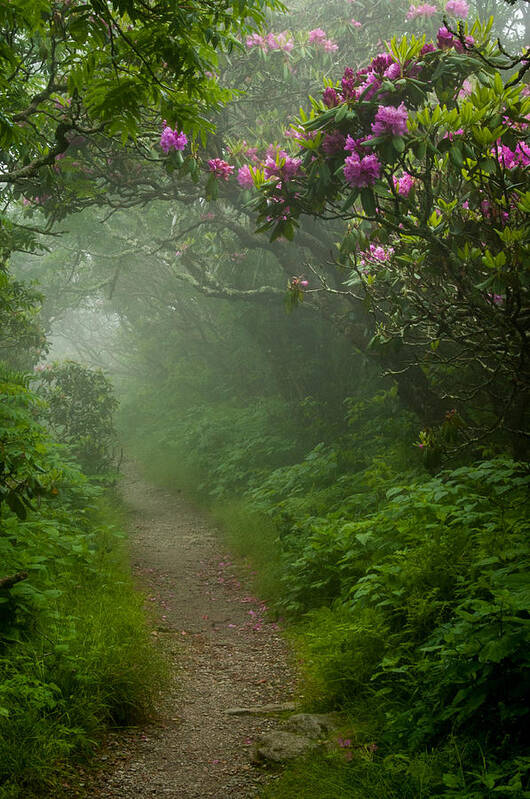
(223, 653)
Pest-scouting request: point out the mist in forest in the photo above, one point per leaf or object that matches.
(299, 296)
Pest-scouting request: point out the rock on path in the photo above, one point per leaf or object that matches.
(223, 654)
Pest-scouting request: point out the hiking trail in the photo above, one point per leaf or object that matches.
(222, 654)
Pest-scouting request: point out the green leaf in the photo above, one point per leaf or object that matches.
(368, 201)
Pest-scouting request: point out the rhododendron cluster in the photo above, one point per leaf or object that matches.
(330, 97)
(355, 146)
(172, 139)
(362, 172)
(334, 142)
(404, 184)
(221, 169)
(272, 41)
(319, 38)
(511, 159)
(256, 41)
(433, 201)
(283, 167)
(425, 10)
(317, 35)
(244, 177)
(446, 40)
(457, 8)
(375, 255)
(390, 120)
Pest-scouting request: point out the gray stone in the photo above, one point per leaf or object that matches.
(279, 747)
(312, 725)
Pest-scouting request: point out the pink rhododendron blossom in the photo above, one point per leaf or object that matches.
(244, 177)
(457, 8)
(298, 282)
(252, 154)
(485, 207)
(284, 167)
(333, 142)
(355, 146)
(466, 90)
(330, 46)
(468, 42)
(497, 299)
(511, 159)
(356, 23)
(348, 83)
(256, 41)
(274, 151)
(444, 38)
(380, 63)
(404, 184)
(279, 41)
(393, 72)
(220, 168)
(375, 255)
(428, 48)
(317, 36)
(425, 10)
(300, 135)
(172, 139)
(390, 120)
(369, 88)
(450, 134)
(330, 98)
(362, 172)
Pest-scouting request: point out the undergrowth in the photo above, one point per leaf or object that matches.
(75, 655)
(405, 590)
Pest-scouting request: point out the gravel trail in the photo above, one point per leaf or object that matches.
(223, 653)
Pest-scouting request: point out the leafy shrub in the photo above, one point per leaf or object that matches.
(74, 650)
(80, 410)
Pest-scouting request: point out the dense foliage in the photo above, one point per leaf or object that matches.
(74, 653)
(76, 75)
(80, 406)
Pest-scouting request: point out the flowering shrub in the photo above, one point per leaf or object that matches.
(424, 152)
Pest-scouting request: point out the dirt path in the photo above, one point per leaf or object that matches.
(223, 654)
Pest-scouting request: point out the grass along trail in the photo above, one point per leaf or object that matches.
(222, 653)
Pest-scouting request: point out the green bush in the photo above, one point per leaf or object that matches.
(74, 648)
(80, 406)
